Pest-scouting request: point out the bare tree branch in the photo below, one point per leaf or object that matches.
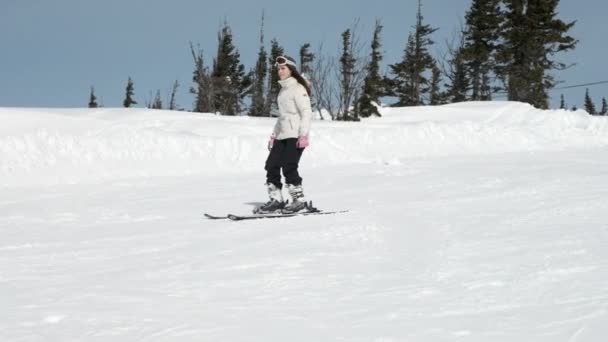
(324, 90)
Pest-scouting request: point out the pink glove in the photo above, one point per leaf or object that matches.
(271, 142)
(302, 141)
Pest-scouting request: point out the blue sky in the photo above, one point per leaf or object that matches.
(53, 51)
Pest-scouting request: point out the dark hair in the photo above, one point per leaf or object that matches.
(295, 74)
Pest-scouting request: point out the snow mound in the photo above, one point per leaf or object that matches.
(65, 146)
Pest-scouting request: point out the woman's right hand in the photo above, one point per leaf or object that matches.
(271, 143)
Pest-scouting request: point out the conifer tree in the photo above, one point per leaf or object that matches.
(589, 106)
(410, 83)
(436, 96)
(486, 88)
(130, 92)
(402, 85)
(230, 83)
(373, 85)
(347, 73)
(562, 102)
(93, 99)
(457, 74)
(258, 89)
(356, 109)
(532, 35)
(306, 59)
(604, 110)
(203, 87)
(481, 41)
(276, 50)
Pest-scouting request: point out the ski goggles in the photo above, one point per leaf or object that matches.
(280, 61)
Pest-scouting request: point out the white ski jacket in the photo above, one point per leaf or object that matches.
(295, 111)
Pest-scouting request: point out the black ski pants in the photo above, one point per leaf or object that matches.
(284, 155)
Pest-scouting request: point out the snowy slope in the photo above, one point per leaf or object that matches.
(475, 221)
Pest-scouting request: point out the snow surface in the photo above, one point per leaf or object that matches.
(472, 222)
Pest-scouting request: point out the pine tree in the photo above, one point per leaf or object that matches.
(93, 99)
(356, 109)
(230, 83)
(203, 87)
(373, 84)
(306, 59)
(589, 106)
(258, 90)
(486, 88)
(276, 50)
(347, 71)
(532, 35)
(562, 102)
(457, 74)
(480, 43)
(129, 101)
(604, 110)
(402, 85)
(410, 82)
(436, 97)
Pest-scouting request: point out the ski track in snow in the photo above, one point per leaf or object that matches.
(503, 246)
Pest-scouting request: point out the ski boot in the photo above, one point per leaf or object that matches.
(274, 204)
(298, 203)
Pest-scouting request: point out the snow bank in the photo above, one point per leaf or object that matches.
(62, 146)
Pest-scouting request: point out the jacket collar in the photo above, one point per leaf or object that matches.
(286, 83)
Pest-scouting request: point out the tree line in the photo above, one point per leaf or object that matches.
(503, 46)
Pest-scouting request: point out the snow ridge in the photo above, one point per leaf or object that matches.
(59, 146)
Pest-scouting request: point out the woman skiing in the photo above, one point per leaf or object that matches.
(288, 140)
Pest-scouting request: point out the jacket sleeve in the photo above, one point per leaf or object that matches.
(304, 109)
(275, 130)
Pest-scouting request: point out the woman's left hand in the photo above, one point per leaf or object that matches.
(302, 141)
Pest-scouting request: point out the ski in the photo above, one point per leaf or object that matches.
(235, 217)
(281, 215)
(213, 217)
(310, 210)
